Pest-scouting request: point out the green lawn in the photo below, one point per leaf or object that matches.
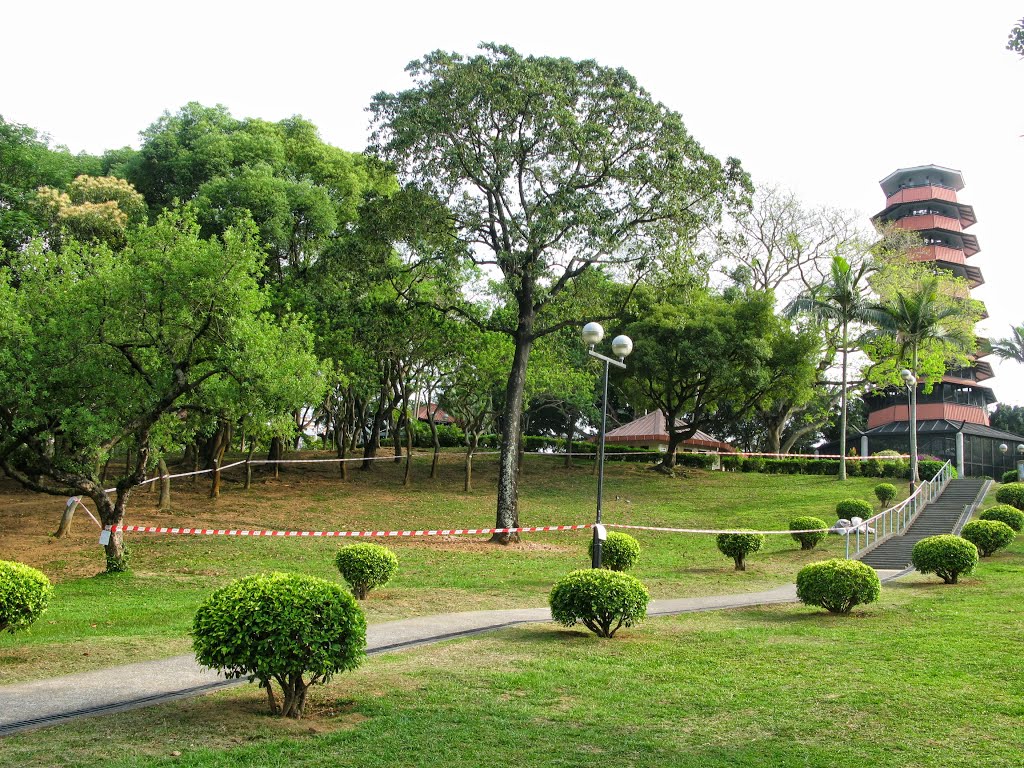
(103, 620)
(929, 676)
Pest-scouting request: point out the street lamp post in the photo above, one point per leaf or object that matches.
(621, 347)
(911, 381)
(1003, 449)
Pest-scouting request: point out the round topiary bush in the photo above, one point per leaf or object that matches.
(293, 629)
(851, 508)
(1005, 513)
(602, 600)
(24, 595)
(619, 552)
(738, 546)
(988, 535)
(813, 537)
(837, 585)
(885, 493)
(1012, 494)
(365, 566)
(1010, 476)
(946, 555)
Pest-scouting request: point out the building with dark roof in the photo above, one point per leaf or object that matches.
(648, 431)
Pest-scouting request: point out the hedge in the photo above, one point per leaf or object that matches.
(837, 585)
(1012, 494)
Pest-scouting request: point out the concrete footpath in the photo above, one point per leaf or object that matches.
(49, 702)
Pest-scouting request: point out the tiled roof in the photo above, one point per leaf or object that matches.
(651, 429)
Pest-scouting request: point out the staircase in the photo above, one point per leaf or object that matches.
(941, 516)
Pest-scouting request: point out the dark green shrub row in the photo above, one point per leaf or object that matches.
(1009, 476)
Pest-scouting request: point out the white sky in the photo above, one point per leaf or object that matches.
(823, 98)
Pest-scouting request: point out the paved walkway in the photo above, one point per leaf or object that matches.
(48, 702)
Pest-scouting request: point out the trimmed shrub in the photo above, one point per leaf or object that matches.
(851, 508)
(1005, 513)
(1009, 476)
(837, 585)
(1012, 494)
(293, 629)
(871, 468)
(365, 566)
(619, 552)
(929, 468)
(947, 556)
(696, 460)
(601, 600)
(885, 493)
(988, 535)
(853, 468)
(732, 463)
(808, 540)
(753, 464)
(24, 595)
(738, 546)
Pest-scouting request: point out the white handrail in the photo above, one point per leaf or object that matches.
(895, 520)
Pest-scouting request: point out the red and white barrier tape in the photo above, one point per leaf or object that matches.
(710, 530)
(340, 534)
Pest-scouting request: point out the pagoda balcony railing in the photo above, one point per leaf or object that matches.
(929, 221)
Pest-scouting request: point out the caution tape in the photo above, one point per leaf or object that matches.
(711, 530)
(339, 534)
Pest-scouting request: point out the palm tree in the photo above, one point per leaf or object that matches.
(841, 299)
(1011, 348)
(913, 318)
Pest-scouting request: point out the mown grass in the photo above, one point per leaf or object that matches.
(929, 676)
(101, 620)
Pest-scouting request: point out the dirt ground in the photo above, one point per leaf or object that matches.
(302, 497)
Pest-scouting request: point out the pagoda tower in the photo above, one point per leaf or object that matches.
(924, 200)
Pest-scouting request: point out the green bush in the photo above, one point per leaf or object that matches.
(1010, 515)
(24, 595)
(738, 546)
(753, 464)
(1010, 476)
(871, 468)
(929, 468)
(850, 508)
(988, 535)
(732, 463)
(619, 552)
(293, 629)
(837, 585)
(947, 556)
(853, 468)
(885, 493)
(1012, 494)
(603, 601)
(365, 566)
(808, 540)
(696, 460)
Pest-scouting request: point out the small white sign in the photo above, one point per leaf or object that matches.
(105, 538)
(602, 532)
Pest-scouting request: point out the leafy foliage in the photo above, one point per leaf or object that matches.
(1010, 476)
(619, 552)
(1012, 494)
(290, 629)
(946, 555)
(1006, 513)
(850, 508)
(807, 523)
(601, 600)
(24, 595)
(366, 566)
(837, 585)
(988, 535)
(738, 546)
(885, 493)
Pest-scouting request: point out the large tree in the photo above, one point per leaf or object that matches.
(104, 351)
(549, 167)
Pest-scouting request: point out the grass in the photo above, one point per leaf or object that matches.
(928, 676)
(97, 621)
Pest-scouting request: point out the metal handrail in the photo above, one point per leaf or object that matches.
(894, 521)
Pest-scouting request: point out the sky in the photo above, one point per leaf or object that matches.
(821, 98)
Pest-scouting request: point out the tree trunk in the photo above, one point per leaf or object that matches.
(340, 444)
(512, 413)
(435, 441)
(275, 453)
(248, 468)
(741, 563)
(65, 519)
(164, 502)
(842, 417)
(467, 486)
(570, 431)
(407, 480)
(215, 484)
